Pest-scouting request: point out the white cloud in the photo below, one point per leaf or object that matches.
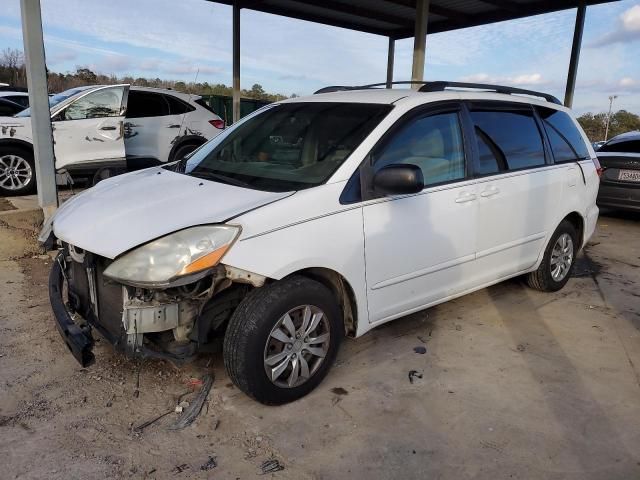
(627, 29)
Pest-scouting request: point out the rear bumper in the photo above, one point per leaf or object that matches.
(619, 197)
(78, 338)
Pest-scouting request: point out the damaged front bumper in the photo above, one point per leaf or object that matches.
(171, 323)
(77, 337)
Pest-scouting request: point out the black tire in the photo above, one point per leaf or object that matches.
(27, 155)
(184, 150)
(541, 279)
(251, 324)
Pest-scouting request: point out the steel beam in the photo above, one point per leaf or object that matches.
(236, 63)
(39, 104)
(419, 40)
(575, 56)
(390, 59)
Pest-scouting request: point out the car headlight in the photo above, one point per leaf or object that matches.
(165, 260)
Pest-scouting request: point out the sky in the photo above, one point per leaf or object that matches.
(179, 39)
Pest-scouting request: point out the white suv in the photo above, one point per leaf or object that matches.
(320, 217)
(100, 131)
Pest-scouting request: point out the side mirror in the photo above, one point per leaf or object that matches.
(399, 179)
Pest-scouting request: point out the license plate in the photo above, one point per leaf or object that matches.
(629, 175)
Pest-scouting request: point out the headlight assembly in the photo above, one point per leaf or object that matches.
(164, 261)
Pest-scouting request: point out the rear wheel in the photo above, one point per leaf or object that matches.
(559, 257)
(282, 340)
(184, 150)
(17, 171)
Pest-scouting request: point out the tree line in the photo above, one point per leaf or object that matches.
(13, 72)
(621, 121)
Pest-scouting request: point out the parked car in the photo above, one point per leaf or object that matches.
(100, 131)
(20, 98)
(620, 182)
(9, 108)
(319, 217)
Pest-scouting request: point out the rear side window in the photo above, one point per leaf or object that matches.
(433, 143)
(146, 104)
(507, 140)
(628, 146)
(204, 104)
(178, 107)
(566, 142)
(19, 99)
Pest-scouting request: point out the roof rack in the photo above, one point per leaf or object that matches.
(439, 86)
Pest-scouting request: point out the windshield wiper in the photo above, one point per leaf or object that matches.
(210, 175)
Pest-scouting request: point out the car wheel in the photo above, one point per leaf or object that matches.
(17, 172)
(559, 258)
(183, 150)
(282, 339)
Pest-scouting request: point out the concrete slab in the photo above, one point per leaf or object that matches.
(515, 384)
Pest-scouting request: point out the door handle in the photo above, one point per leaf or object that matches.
(466, 197)
(108, 128)
(490, 192)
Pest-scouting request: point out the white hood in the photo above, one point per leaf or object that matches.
(126, 211)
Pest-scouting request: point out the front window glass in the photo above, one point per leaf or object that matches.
(286, 147)
(57, 98)
(433, 143)
(102, 103)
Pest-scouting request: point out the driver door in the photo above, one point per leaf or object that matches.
(90, 129)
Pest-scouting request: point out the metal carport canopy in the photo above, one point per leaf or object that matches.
(396, 18)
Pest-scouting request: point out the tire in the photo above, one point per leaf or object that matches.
(543, 278)
(17, 171)
(249, 344)
(183, 150)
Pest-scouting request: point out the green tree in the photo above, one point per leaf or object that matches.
(84, 75)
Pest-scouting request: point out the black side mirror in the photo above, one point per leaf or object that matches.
(399, 179)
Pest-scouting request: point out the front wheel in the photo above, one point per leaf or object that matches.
(17, 172)
(559, 257)
(282, 340)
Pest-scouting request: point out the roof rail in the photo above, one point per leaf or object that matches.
(439, 86)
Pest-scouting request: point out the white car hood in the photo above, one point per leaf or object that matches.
(126, 211)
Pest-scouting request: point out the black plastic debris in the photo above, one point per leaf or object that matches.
(414, 374)
(180, 468)
(271, 466)
(209, 464)
(420, 349)
(190, 413)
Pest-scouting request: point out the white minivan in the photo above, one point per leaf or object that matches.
(320, 217)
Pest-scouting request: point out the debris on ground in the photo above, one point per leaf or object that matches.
(271, 466)
(181, 406)
(181, 468)
(144, 425)
(414, 374)
(420, 349)
(209, 464)
(421, 338)
(190, 413)
(339, 391)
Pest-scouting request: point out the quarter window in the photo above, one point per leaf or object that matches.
(565, 139)
(178, 107)
(507, 140)
(105, 102)
(433, 143)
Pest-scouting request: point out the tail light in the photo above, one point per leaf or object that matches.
(219, 124)
(599, 168)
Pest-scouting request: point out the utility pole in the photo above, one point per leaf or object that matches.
(606, 130)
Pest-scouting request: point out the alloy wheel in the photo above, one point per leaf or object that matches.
(297, 346)
(561, 257)
(15, 172)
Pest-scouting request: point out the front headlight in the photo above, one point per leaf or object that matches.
(162, 261)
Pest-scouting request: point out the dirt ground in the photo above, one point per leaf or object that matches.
(514, 384)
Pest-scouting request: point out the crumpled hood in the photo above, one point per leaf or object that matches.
(128, 210)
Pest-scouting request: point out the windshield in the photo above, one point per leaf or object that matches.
(57, 98)
(286, 147)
